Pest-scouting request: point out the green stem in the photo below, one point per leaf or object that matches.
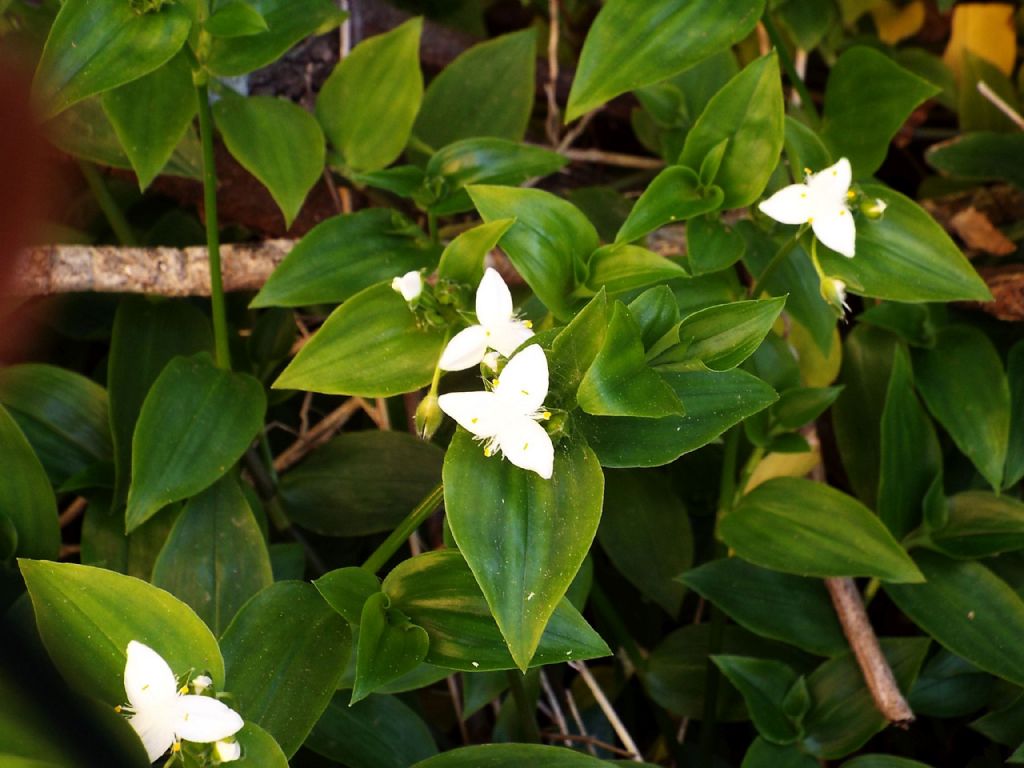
(220, 323)
(432, 227)
(111, 210)
(777, 259)
(787, 64)
(527, 720)
(414, 520)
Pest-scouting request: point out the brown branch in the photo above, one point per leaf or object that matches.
(318, 435)
(861, 636)
(567, 737)
(73, 511)
(614, 158)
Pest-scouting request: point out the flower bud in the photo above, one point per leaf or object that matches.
(833, 291)
(227, 751)
(873, 208)
(490, 362)
(201, 683)
(428, 416)
(410, 285)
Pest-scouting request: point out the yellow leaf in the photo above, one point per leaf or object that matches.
(895, 23)
(783, 465)
(816, 369)
(986, 30)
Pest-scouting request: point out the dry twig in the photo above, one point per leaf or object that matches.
(318, 435)
(73, 511)
(609, 711)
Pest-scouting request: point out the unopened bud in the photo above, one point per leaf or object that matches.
(833, 291)
(201, 683)
(873, 208)
(410, 285)
(490, 362)
(428, 416)
(227, 751)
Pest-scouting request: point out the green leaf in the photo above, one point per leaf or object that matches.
(575, 347)
(105, 545)
(630, 46)
(370, 346)
(378, 732)
(146, 336)
(463, 258)
(719, 337)
(368, 105)
(621, 268)
(438, 592)
(63, 415)
(974, 405)
(463, 101)
(809, 529)
(150, 115)
(905, 256)
(675, 194)
(969, 610)
(980, 524)
(949, 686)
(288, 22)
(546, 245)
(975, 111)
(511, 756)
(235, 19)
(764, 754)
(910, 454)
(483, 161)
(713, 401)
(524, 537)
(619, 382)
(844, 715)
(347, 254)
(868, 98)
(215, 558)
(764, 684)
(361, 483)
(277, 141)
(346, 590)
(27, 502)
(807, 21)
(389, 646)
(1014, 470)
(804, 149)
(777, 605)
(195, 423)
(259, 749)
(981, 156)
(645, 532)
(882, 761)
(748, 113)
(656, 311)
(86, 617)
(285, 652)
(797, 407)
(711, 246)
(97, 45)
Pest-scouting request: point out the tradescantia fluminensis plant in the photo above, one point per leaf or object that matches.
(626, 445)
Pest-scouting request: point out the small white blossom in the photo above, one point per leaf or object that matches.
(505, 418)
(227, 751)
(201, 683)
(410, 285)
(822, 202)
(161, 714)
(498, 327)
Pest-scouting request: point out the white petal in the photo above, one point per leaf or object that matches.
(476, 411)
(508, 336)
(148, 680)
(156, 729)
(410, 285)
(465, 350)
(227, 751)
(204, 719)
(790, 205)
(523, 383)
(831, 184)
(525, 443)
(836, 230)
(493, 300)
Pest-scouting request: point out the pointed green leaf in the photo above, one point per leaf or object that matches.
(27, 502)
(575, 347)
(346, 590)
(97, 45)
(711, 246)
(370, 346)
(623, 267)
(511, 756)
(215, 558)
(656, 311)
(285, 652)
(196, 422)
(675, 194)
(235, 18)
(389, 646)
(809, 529)
(981, 156)
(86, 617)
(524, 537)
(368, 105)
(277, 141)
(980, 524)
(1015, 448)
(463, 258)
(259, 749)
(630, 45)
(882, 761)
(764, 684)
(764, 754)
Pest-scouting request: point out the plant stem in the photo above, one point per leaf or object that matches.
(527, 720)
(787, 65)
(220, 323)
(390, 545)
(432, 227)
(773, 265)
(111, 210)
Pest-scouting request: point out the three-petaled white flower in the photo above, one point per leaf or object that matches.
(410, 285)
(506, 417)
(822, 202)
(161, 714)
(498, 327)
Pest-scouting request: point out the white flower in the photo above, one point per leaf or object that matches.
(506, 417)
(161, 714)
(410, 285)
(227, 751)
(200, 683)
(498, 328)
(822, 202)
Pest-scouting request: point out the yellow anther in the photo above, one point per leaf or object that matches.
(176, 747)
(803, 194)
(851, 194)
(118, 709)
(546, 415)
(807, 171)
(474, 420)
(183, 690)
(525, 446)
(528, 323)
(487, 452)
(842, 211)
(810, 220)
